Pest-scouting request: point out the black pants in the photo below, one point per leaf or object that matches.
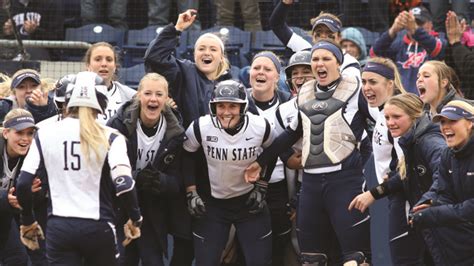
(253, 231)
(323, 203)
(72, 241)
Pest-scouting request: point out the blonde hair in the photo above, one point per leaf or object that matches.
(92, 134)
(46, 84)
(153, 77)
(461, 104)
(5, 90)
(17, 112)
(398, 85)
(224, 64)
(412, 105)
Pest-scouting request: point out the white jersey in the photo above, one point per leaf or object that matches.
(382, 147)
(49, 122)
(228, 156)
(78, 187)
(147, 147)
(114, 102)
(288, 112)
(278, 173)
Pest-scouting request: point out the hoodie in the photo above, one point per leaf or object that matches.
(410, 53)
(355, 36)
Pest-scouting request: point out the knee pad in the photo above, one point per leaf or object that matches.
(313, 259)
(355, 259)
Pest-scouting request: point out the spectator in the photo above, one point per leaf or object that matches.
(112, 12)
(354, 44)
(439, 8)
(410, 42)
(250, 14)
(35, 20)
(458, 56)
(159, 11)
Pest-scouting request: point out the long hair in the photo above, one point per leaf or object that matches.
(398, 88)
(412, 105)
(445, 72)
(87, 57)
(92, 134)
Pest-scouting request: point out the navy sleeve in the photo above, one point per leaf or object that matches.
(394, 183)
(159, 56)
(4, 204)
(382, 46)
(433, 45)
(130, 202)
(284, 141)
(41, 113)
(25, 197)
(278, 22)
(189, 168)
(445, 215)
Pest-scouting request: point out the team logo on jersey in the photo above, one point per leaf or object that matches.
(169, 158)
(319, 106)
(289, 119)
(83, 92)
(421, 169)
(211, 138)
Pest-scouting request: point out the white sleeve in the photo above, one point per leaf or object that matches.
(298, 43)
(33, 159)
(191, 144)
(118, 158)
(295, 122)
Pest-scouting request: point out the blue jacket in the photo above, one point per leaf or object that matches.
(189, 87)
(452, 211)
(167, 212)
(422, 146)
(410, 54)
(39, 112)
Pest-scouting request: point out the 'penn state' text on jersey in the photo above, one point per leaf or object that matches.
(228, 156)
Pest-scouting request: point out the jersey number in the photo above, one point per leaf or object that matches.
(72, 156)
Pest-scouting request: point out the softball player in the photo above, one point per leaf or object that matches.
(90, 167)
(230, 139)
(332, 164)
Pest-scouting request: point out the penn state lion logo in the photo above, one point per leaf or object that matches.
(169, 158)
(319, 106)
(421, 170)
(226, 92)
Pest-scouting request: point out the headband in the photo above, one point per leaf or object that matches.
(336, 51)
(270, 56)
(212, 36)
(380, 69)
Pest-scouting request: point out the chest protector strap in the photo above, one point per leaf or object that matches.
(327, 137)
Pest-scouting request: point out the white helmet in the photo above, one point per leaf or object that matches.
(89, 91)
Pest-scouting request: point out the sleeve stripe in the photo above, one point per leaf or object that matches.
(437, 48)
(267, 131)
(197, 131)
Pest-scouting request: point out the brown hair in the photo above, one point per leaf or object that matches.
(87, 57)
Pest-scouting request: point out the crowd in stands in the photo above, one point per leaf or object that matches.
(261, 162)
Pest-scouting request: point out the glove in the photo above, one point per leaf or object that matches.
(131, 230)
(148, 179)
(256, 201)
(29, 235)
(196, 206)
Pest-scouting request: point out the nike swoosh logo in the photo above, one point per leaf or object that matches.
(118, 102)
(248, 138)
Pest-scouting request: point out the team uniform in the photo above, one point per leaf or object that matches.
(227, 157)
(81, 187)
(332, 168)
(82, 224)
(117, 95)
(158, 148)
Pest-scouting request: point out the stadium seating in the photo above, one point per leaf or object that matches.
(369, 36)
(237, 43)
(92, 33)
(131, 76)
(267, 41)
(137, 43)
